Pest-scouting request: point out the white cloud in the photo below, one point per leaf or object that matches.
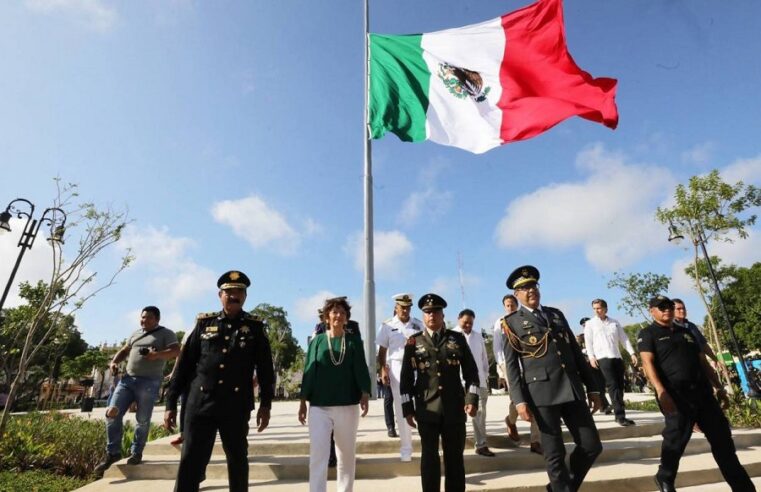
(610, 214)
(431, 200)
(746, 170)
(305, 308)
(37, 263)
(392, 250)
(699, 154)
(260, 225)
(94, 13)
(171, 272)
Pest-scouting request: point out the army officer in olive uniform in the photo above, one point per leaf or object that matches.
(217, 368)
(433, 395)
(546, 375)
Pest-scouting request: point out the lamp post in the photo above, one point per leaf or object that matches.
(53, 216)
(699, 239)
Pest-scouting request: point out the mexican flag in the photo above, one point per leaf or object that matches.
(480, 86)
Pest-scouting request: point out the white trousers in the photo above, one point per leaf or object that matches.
(405, 432)
(342, 421)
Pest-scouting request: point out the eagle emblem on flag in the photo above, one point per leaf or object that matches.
(462, 82)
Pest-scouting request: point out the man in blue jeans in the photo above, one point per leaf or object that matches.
(146, 351)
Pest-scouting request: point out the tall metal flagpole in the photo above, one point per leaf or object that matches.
(368, 183)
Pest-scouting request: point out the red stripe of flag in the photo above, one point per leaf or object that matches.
(541, 84)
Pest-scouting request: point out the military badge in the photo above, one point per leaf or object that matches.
(234, 276)
(211, 329)
(532, 339)
(688, 338)
(245, 330)
(242, 344)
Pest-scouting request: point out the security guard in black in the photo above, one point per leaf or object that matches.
(677, 370)
(217, 369)
(432, 395)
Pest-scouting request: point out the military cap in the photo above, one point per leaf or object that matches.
(233, 280)
(661, 302)
(521, 276)
(431, 302)
(583, 320)
(403, 299)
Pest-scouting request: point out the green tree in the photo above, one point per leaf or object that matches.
(742, 298)
(83, 365)
(73, 281)
(638, 289)
(285, 348)
(67, 341)
(709, 209)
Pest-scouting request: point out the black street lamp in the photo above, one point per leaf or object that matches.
(699, 239)
(54, 216)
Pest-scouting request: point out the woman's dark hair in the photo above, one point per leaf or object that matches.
(336, 301)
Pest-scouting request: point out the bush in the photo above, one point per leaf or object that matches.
(52, 441)
(60, 443)
(38, 481)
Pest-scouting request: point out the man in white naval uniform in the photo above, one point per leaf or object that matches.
(392, 337)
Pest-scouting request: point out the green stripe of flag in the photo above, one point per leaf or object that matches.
(399, 80)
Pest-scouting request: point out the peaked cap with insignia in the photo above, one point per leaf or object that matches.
(430, 302)
(661, 302)
(233, 280)
(403, 299)
(521, 276)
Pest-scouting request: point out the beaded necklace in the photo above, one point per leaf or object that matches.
(341, 354)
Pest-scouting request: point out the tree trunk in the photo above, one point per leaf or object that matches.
(10, 402)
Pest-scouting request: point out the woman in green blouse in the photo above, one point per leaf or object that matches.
(335, 380)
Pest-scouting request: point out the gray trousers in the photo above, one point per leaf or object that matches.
(479, 421)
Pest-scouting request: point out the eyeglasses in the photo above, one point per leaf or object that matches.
(664, 308)
(528, 287)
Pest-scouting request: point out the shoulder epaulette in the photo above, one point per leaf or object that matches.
(252, 317)
(389, 320)
(206, 315)
(509, 314)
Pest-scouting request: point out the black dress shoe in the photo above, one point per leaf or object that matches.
(484, 451)
(392, 433)
(536, 448)
(625, 422)
(664, 486)
(609, 410)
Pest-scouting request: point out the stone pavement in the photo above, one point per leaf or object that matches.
(279, 459)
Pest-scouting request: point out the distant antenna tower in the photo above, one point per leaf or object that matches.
(462, 282)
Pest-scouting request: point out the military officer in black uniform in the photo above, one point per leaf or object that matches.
(432, 394)
(217, 366)
(546, 375)
(682, 379)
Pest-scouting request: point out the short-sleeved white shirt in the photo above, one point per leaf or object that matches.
(393, 335)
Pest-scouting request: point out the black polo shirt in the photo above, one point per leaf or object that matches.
(677, 355)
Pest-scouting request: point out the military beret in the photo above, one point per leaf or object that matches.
(233, 280)
(403, 299)
(522, 275)
(431, 302)
(661, 302)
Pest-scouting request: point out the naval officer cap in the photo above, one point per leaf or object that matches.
(431, 302)
(233, 280)
(521, 276)
(403, 299)
(661, 302)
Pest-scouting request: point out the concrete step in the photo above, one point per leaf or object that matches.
(629, 476)
(383, 445)
(378, 465)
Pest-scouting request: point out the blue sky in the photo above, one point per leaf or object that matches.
(233, 133)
